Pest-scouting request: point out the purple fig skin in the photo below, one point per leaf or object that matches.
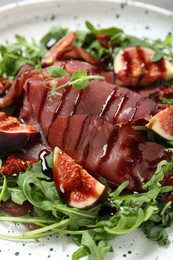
(16, 141)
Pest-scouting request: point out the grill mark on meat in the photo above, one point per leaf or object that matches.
(65, 133)
(76, 102)
(59, 107)
(107, 148)
(83, 132)
(137, 106)
(42, 103)
(108, 102)
(61, 103)
(37, 113)
(91, 138)
(122, 102)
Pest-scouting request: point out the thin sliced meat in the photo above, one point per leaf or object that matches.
(71, 66)
(116, 104)
(16, 88)
(115, 153)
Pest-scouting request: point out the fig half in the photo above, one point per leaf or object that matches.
(134, 66)
(75, 185)
(162, 123)
(14, 136)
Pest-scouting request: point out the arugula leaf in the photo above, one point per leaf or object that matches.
(168, 100)
(109, 31)
(96, 251)
(53, 35)
(155, 233)
(158, 55)
(92, 231)
(19, 53)
(56, 71)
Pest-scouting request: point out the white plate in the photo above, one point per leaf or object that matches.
(33, 19)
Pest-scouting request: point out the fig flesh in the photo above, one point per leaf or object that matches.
(134, 67)
(75, 185)
(14, 136)
(162, 123)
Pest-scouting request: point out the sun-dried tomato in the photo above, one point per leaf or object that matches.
(14, 165)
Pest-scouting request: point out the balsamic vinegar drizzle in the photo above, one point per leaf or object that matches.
(45, 168)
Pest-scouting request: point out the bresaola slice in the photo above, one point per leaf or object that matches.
(116, 104)
(93, 126)
(115, 153)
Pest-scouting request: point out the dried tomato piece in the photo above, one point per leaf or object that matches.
(14, 165)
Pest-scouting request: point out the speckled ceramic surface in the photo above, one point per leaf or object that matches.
(33, 19)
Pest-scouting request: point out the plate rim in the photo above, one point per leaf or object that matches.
(152, 7)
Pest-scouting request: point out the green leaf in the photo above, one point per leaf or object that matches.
(155, 233)
(17, 196)
(3, 189)
(21, 39)
(108, 31)
(55, 33)
(79, 80)
(96, 251)
(168, 100)
(78, 254)
(158, 55)
(126, 221)
(56, 71)
(154, 184)
(80, 84)
(80, 74)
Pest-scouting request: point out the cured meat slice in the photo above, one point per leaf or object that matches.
(16, 87)
(71, 66)
(116, 153)
(118, 105)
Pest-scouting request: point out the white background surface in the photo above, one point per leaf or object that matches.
(168, 4)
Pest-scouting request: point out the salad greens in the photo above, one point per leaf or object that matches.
(122, 212)
(23, 51)
(89, 228)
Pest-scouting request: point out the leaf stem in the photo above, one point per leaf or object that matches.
(61, 224)
(77, 212)
(3, 187)
(73, 82)
(27, 220)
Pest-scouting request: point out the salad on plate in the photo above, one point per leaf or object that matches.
(86, 136)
